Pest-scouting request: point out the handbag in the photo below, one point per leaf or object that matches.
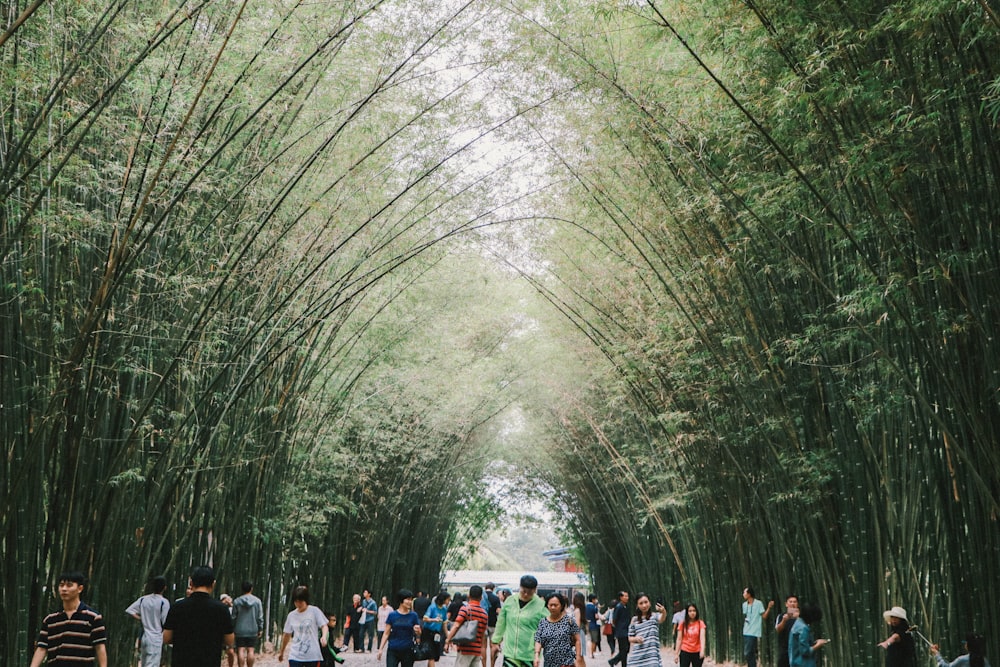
(421, 651)
(607, 629)
(466, 633)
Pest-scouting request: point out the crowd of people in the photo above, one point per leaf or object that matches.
(526, 629)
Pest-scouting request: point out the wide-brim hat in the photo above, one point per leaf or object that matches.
(898, 612)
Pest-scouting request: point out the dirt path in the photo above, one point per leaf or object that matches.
(270, 659)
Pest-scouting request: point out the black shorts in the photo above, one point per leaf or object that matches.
(246, 642)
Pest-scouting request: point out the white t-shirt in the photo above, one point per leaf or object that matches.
(678, 618)
(304, 626)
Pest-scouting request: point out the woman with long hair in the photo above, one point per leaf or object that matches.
(974, 656)
(580, 616)
(558, 636)
(802, 645)
(306, 630)
(689, 650)
(644, 633)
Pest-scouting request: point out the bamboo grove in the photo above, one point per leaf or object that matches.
(282, 281)
(800, 203)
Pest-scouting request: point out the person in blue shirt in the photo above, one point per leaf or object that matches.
(593, 627)
(754, 614)
(802, 646)
(401, 628)
(432, 626)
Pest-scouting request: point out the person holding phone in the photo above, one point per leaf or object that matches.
(644, 633)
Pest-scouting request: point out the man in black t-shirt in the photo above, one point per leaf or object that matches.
(199, 626)
(620, 619)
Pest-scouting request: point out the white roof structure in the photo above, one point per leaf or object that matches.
(510, 579)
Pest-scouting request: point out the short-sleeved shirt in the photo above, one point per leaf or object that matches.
(691, 636)
(304, 627)
(401, 629)
(199, 623)
(592, 623)
(494, 607)
(371, 610)
(152, 612)
(473, 611)
(558, 640)
(71, 639)
(753, 623)
(646, 654)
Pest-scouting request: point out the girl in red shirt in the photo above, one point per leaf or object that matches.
(690, 648)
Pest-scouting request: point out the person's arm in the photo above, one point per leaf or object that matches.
(633, 633)
(538, 653)
(259, 615)
(891, 639)
(701, 640)
(229, 641)
(454, 626)
(385, 640)
(101, 653)
(770, 604)
(38, 656)
(168, 636)
(662, 611)
(677, 644)
(581, 660)
(285, 637)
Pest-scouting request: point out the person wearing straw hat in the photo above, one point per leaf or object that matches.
(900, 649)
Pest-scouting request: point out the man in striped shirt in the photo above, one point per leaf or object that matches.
(75, 635)
(471, 611)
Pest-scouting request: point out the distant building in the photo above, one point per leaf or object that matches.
(566, 583)
(562, 560)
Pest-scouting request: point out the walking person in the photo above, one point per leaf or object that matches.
(783, 628)
(474, 651)
(580, 616)
(432, 631)
(402, 627)
(802, 645)
(248, 624)
(644, 632)
(74, 635)
(199, 627)
(620, 622)
(368, 618)
(516, 625)
(754, 614)
(593, 625)
(492, 610)
(690, 648)
(305, 630)
(151, 611)
(330, 651)
(384, 610)
(353, 622)
(974, 656)
(900, 649)
(558, 636)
